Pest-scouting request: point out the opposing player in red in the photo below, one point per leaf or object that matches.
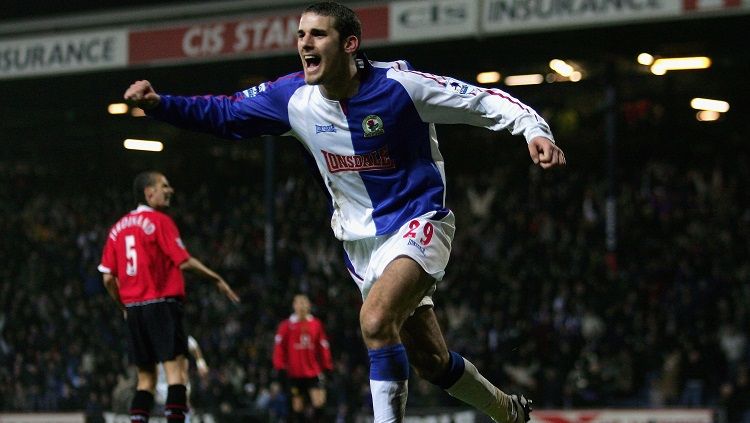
(302, 353)
(142, 268)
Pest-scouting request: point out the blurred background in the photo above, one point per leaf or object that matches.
(618, 283)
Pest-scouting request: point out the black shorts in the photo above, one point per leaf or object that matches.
(302, 385)
(156, 331)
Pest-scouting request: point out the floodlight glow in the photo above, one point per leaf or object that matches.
(645, 59)
(117, 108)
(143, 145)
(575, 76)
(488, 77)
(561, 67)
(707, 115)
(658, 70)
(709, 105)
(531, 79)
(661, 66)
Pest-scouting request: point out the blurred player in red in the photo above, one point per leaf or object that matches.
(142, 268)
(301, 353)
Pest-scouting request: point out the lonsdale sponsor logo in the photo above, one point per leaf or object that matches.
(374, 160)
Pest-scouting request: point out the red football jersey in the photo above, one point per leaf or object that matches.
(144, 251)
(301, 347)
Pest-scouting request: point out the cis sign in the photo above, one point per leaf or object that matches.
(275, 33)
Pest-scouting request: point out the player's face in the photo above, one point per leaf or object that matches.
(301, 305)
(160, 193)
(324, 57)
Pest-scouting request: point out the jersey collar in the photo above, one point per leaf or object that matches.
(294, 318)
(141, 208)
(363, 66)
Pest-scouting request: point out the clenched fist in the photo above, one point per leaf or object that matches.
(545, 153)
(142, 94)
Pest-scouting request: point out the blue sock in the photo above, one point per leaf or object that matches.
(453, 372)
(389, 363)
(389, 377)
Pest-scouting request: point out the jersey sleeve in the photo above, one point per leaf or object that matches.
(279, 347)
(168, 238)
(324, 349)
(259, 110)
(441, 99)
(108, 263)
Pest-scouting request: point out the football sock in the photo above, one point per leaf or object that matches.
(176, 404)
(462, 380)
(453, 372)
(140, 407)
(389, 378)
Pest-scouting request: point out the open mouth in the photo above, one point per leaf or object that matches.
(312, 62)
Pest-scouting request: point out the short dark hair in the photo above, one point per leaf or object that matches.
(345, 20)
(141, 181)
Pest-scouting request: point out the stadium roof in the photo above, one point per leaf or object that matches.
(38, 9)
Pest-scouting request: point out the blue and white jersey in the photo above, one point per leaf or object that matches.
(377, 152)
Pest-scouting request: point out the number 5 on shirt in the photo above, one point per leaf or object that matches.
(132, 264)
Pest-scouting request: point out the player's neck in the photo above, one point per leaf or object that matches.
(342, 88)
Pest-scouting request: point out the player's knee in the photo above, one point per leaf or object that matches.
(372, 327)
(146, 378)
(376, 326)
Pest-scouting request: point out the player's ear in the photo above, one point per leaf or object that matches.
(148, 192)
(351, 44)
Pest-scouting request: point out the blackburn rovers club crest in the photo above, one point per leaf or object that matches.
(373, 125)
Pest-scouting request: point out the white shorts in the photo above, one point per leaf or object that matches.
(425, 239)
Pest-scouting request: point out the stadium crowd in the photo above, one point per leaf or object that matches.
(531, 293)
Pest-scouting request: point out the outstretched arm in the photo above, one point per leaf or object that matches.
(440, 99)
(194, 265)
(238, 116)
